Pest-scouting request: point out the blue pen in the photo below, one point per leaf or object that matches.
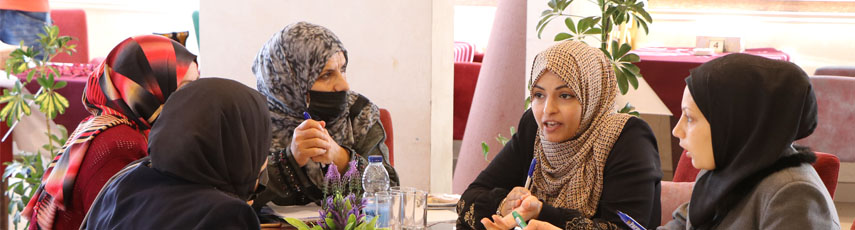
(530, 172)
(629, 221)
(306, 116)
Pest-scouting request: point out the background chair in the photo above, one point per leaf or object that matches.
(847, 71)
(386, 120)
(465, 79)
(72, 22)
(835, 112)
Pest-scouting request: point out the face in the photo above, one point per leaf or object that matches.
(333, 77)
(191, 75)
(556, 109)
(693, 129)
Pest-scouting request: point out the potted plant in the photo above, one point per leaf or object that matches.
(24, 174)
(342, 208)
(611, 27)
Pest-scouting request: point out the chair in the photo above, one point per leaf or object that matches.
(465, 79)
(679, 191)
(386, 120)
(835, 111)
(464, 52)
(847, 71)
(72, 22)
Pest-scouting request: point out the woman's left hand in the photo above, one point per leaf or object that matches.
(335, 154)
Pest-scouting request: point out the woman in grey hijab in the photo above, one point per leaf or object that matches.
(317, 120)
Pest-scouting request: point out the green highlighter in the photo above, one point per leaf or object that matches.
(519, 219)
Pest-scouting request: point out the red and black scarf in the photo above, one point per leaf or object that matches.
(129, 87)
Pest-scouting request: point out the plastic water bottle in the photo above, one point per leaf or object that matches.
(375, 179)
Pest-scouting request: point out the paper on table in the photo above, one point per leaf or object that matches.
(309, 211)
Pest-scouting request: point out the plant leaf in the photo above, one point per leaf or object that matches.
(297, 223)
(562, 36)
(570, 24)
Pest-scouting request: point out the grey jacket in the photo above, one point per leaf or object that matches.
(793, 198)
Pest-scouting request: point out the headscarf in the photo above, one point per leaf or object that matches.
(286, 68)
(569, 174)
(224, 146)
(129, 88)
(756, 108)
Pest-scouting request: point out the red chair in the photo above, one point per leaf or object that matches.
(72, 22)
(685, 172)
(847, 71)
(386, 120)
(465, 79)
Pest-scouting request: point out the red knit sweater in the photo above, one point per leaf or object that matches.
(108, 153)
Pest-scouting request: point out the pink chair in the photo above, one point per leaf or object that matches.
(847, 71)
(72, 22)
(386, 120)
(464, 52)
(833, 134)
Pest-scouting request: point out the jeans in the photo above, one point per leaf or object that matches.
(17, 26)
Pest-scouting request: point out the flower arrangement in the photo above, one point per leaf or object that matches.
(342, 208)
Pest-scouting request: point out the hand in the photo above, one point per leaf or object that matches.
(529, 208)
(501, 223)
(310, 141)
(540, 225)
(512, 200)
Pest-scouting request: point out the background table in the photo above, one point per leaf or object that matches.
(666, 68)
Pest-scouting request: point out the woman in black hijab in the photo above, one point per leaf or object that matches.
(207, 151)
(741, 114)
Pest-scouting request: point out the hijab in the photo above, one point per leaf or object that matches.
(206, 153)
(286, 67)
(218, 139)
(569, 174)
(129, 87)
(756, 108)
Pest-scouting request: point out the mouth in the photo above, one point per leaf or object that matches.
(551, 126)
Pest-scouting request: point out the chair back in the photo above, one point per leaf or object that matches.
(685, 172)
(846, 71)
(72, 22)
(835, 111)
(828, 167)
(386, 120)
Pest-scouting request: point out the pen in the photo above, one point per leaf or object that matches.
(530, 172)
(519, 219)
(631, 223)
(306, 116)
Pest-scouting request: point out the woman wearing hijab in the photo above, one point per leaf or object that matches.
(591, 162)
(302, 71)
(741, 114)
(125, 96)
(207, 152)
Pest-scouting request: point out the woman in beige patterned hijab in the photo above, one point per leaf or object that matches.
(591, 161)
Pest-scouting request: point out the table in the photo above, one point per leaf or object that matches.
(444, 218)
(666, 68)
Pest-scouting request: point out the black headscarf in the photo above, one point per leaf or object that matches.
(213, 132)
(756, 108)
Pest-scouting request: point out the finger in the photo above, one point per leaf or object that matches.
(309, 124)
(313, 143)
(310, 133)
(312, 152)
(489, 224)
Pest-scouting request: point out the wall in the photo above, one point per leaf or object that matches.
(400, 56)
(110, 22)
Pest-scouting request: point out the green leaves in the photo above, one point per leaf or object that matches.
(485, 149)
(621, 11)
(578, 31)
(16, 104)
(626, 72)
(629, 109)
(50, 102)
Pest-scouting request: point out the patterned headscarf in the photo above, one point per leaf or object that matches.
(569, 174)
(287, 67)
(129, 87)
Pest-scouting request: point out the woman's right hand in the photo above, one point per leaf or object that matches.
(540, 225)
(309, 140)
(512, 200)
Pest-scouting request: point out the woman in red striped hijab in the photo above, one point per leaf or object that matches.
(125, 96)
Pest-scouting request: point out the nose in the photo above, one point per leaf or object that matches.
(678, 131)
(550, 107)
(341, 84)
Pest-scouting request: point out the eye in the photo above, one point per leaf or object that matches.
(689, 119)
(538, 95)
(567, 96)
(344, 69)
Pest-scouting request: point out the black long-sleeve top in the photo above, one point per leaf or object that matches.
(631, 179)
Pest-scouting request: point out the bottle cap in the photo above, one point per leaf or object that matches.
(375, 159)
